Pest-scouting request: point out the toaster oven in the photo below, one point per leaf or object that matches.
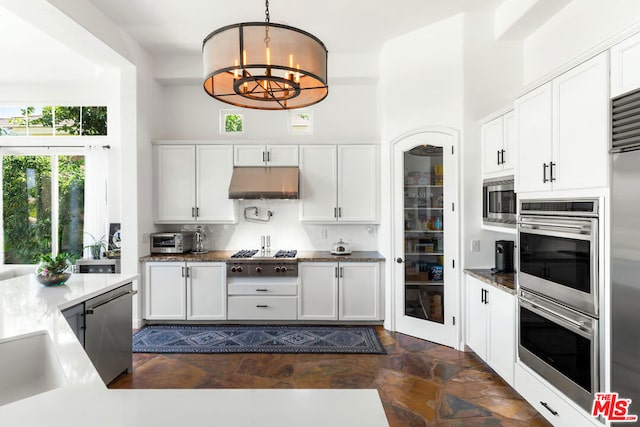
(171, 242)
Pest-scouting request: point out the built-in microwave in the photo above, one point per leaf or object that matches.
(499, 202)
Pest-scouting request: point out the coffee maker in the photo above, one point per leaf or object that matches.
(504, 256)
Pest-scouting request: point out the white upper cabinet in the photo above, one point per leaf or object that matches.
(266, 155)
(625, 66)
(338, 183)
(533, 115)
(192, 184)
(562, 130)
(498, 144)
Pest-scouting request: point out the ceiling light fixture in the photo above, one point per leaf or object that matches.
(265, 66)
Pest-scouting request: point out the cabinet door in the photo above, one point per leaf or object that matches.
(206, 291)
(476, 317)
(533, 116)
(581, 126)
(501, 345)
(175, 183)
(249, 155)
(282, 155)
(165, 294)
(359, 291)
(213, 171)
(357, 183)
(510, 142)
(492, 136)
(318, 296)
(625, 66)
(318, 183)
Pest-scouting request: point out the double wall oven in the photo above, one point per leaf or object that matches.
(558, 310)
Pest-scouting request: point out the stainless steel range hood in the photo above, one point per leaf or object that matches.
(264, 183)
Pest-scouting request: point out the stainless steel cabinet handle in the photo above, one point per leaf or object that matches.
(197, 212)
(339, 212)
(498, 153)
(335, 212)
(261, 306)
(548, 408)
(486, 296)
(264, 157)
(341, 271)
(262, 290)
(183, 272)
(336, 271)
(551, 166)
(502, 157)
(268, 156)
(187, 271)
(193, 212)
(544, 172)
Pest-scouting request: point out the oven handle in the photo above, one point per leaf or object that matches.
(580, 327)
(549, 224)
(557, 230)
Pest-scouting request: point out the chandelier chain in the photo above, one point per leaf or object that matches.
(266, 12)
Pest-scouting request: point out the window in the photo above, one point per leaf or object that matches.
(42, 206)
(231, 122)
(50, 120)
(301, 121)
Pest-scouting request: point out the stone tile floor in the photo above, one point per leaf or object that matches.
(420, 383)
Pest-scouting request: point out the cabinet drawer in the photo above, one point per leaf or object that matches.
(261, 288)
(537, 393)
(262, 308)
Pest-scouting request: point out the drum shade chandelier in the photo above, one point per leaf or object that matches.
(265, 66)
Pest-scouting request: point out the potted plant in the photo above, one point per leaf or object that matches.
(53, 271)
(97, 247)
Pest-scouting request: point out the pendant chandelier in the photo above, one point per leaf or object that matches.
(265, 66)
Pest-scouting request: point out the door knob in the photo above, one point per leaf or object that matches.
(399, 260)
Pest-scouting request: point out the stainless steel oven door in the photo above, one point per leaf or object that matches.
(561, 345)
(558, 258)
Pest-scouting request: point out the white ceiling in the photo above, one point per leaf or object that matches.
(170, 27)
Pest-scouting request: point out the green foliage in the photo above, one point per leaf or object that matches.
(232, 123)
(54, 265)
(27, 206)
(97, 247)
(75, 120)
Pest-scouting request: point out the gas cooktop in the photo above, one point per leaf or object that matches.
(256, 254)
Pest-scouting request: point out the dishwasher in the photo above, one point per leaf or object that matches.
(107, 334)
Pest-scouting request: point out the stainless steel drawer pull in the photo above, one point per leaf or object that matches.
(262, 290)
(548, 408)
(262, 306)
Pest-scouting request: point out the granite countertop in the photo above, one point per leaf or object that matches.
(221, 256)
(504, 281)
(356, 256)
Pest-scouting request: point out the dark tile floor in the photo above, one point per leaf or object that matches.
(420, 383)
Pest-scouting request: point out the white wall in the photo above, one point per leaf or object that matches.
(492, 72)
(575, 29)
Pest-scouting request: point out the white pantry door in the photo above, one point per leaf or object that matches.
(425, 229)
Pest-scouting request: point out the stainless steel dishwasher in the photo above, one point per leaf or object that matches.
(108, 328)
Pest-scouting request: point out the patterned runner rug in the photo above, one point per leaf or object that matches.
(256, 339)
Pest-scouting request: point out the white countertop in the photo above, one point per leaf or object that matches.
(27, 307)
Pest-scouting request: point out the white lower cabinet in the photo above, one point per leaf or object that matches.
(339, 291)
(491, 326)
(267, 298)
(185, 291)
(549, 401)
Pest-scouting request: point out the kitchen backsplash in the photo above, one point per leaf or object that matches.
(285, 229)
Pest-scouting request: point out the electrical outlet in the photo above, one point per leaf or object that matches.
(475, 246)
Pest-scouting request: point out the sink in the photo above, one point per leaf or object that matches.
(28, 366)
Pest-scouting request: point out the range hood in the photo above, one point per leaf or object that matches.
(264, 183)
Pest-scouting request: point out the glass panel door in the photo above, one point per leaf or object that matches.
(424, 233)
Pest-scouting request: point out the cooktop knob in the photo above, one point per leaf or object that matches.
(233, 269)
(283, 269)
(258, 269)
(239, 269)
(277, 269)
